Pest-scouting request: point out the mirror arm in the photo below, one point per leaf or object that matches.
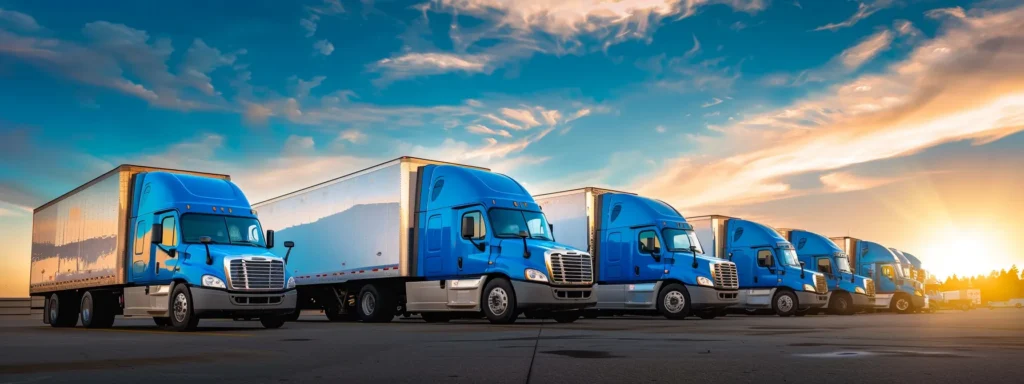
(209, 257)
(170, 252)
(526, 249)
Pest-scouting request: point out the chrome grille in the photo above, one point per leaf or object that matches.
(571, 268)
(726, 277)
(870, 290)
(253, 274)
(820, 284)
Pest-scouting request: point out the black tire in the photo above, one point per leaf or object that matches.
(901, 304)
(566, 317)
(375, 305)
(162, 321)
(785, 303)
(707, 315)
(96, 310)
(499, 302)
(841, 304)
(674, 302)
(435, 317)
(183, 317)
(591, 314)
(63, 308)
(294, 316)
(273, 322)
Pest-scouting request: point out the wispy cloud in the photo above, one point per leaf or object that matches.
(417, 64)
(863, 11)
(523, 116)
(480, 129)
(353, 136)
(962, 85)
(714, 101)
(696, 48)
(324, 47)
(866, 49)
(19, 21)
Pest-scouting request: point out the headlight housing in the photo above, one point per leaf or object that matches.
(809, 288)
(291, 282)
(535, 275)
(213, 282)
(858, 290)
(701, 280)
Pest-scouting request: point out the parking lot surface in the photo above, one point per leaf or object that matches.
(946, 347)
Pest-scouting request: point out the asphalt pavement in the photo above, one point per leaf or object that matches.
(981, 346)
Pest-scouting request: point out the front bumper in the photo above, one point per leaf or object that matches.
(862, 301)
(811, 299)
(543, 296)
(216, 303)
(707, 297)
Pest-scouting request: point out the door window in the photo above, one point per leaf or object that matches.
(170, 234)
(480, 229)
(764, 258)
(648, 242)
(825, 266)
(887, 271)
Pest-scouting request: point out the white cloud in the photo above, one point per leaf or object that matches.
(18, 20)
(301, 88)
(696, 48)
(483, 130)
(660, 129)
(523, 116)
(418, 64)
(714, 101)
(846, 182)
(324, 47)
(474, 103)
(866, 49)
(353, 136)
(502, 122)
(965, 84)
(863, 11)
(298, 145)
(309, 24)
(550, 117)
(955, 12)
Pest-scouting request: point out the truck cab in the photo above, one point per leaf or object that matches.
(484, 232)
(771, 275)
(848, 293)
(198, 251)
(919, 276)
(648, 257)
(894, 290)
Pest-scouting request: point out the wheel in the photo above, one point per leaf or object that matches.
(96, 310)
(435, 317)
(751, 312)
(707, 315)
(785, 303)
(840, 304)
(674, 302)
(294, 316)
(63, 309)
(901, 304)
(183, 317)
(499, 302)
(162, 321)
(375, 305)
(566, 317)
(273, 322)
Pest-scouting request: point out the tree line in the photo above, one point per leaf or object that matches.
(997, 286)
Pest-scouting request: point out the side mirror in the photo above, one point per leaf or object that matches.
(468, 227)
(289, 244)
(802, 269)
(157, 236)
(524, 234)
(693, 249)
(205, 240)
(802, 264)
(270, 238)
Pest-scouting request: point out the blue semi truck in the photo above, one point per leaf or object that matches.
(848, 293)
(893, 289)
(771, 276)
(647, 256)
(173, 245)
(912, 269)
(415, 236)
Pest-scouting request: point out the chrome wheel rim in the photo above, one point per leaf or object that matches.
(180, 307)
(86, 308)
(53, 308)
(497, 301)
(368, 303)
(674, 302)
(785, 303)
(902, 304)
(842, 304)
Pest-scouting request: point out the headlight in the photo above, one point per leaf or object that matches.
(917, 292)
(858, 290)
(291, 282)
(809, 288)
(535, 275)
(213, 282)
(705, 281)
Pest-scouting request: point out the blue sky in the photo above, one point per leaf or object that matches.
(733, 106)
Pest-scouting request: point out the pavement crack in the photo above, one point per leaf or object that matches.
(536, 344)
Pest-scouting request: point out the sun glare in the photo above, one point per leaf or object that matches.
(966, 251)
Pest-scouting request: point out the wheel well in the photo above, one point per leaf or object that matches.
(784, 289)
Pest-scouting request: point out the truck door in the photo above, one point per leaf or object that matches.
(432, 246)
(471, 253)
(647, 255)
(141, 251)
(765, 267)
(165, 258)
(611, 267)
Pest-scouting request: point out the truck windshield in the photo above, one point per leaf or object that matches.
(844, 264)
(222, 229)
(680, 240)
(789, 257)
(509, 222)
